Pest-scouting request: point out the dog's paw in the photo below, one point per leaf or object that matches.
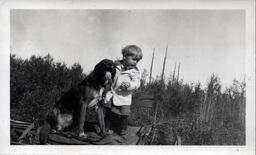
(82, 135)
(110, 132)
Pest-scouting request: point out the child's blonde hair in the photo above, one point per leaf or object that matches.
(132, 50)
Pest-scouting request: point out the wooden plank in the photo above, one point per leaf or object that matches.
(28, 129)
(19, 122)
(62, 140)
(19, 126)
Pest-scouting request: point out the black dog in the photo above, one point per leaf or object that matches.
(71, 108)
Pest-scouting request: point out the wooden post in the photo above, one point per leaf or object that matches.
(154, 122)
(151, 67)
(173, 74)
(162, 77)
(178, 72)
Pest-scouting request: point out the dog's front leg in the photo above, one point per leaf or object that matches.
(44, 133)
(82, 119)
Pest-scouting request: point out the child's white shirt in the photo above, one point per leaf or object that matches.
(124, 97)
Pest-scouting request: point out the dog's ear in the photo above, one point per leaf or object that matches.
(111, 67)
(104, 72)
(113, 71)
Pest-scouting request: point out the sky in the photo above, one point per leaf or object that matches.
(202, 41)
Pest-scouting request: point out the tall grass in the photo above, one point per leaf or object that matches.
(200, 116)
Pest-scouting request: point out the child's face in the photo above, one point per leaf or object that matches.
(130, 61)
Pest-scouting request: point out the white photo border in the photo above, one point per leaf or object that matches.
(6, 6)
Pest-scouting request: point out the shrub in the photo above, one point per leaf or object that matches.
(36, 83)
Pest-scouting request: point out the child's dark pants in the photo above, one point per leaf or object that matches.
(116, 122)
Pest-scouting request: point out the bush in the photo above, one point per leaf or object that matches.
(36, 83)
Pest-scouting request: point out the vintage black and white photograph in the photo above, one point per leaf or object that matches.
(127, 77)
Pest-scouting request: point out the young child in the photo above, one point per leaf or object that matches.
(127, 80)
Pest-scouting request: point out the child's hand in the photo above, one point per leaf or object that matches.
(124, 85)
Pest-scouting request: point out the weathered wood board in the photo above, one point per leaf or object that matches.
(70, 138)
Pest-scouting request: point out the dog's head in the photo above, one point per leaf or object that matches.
(104, 72)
